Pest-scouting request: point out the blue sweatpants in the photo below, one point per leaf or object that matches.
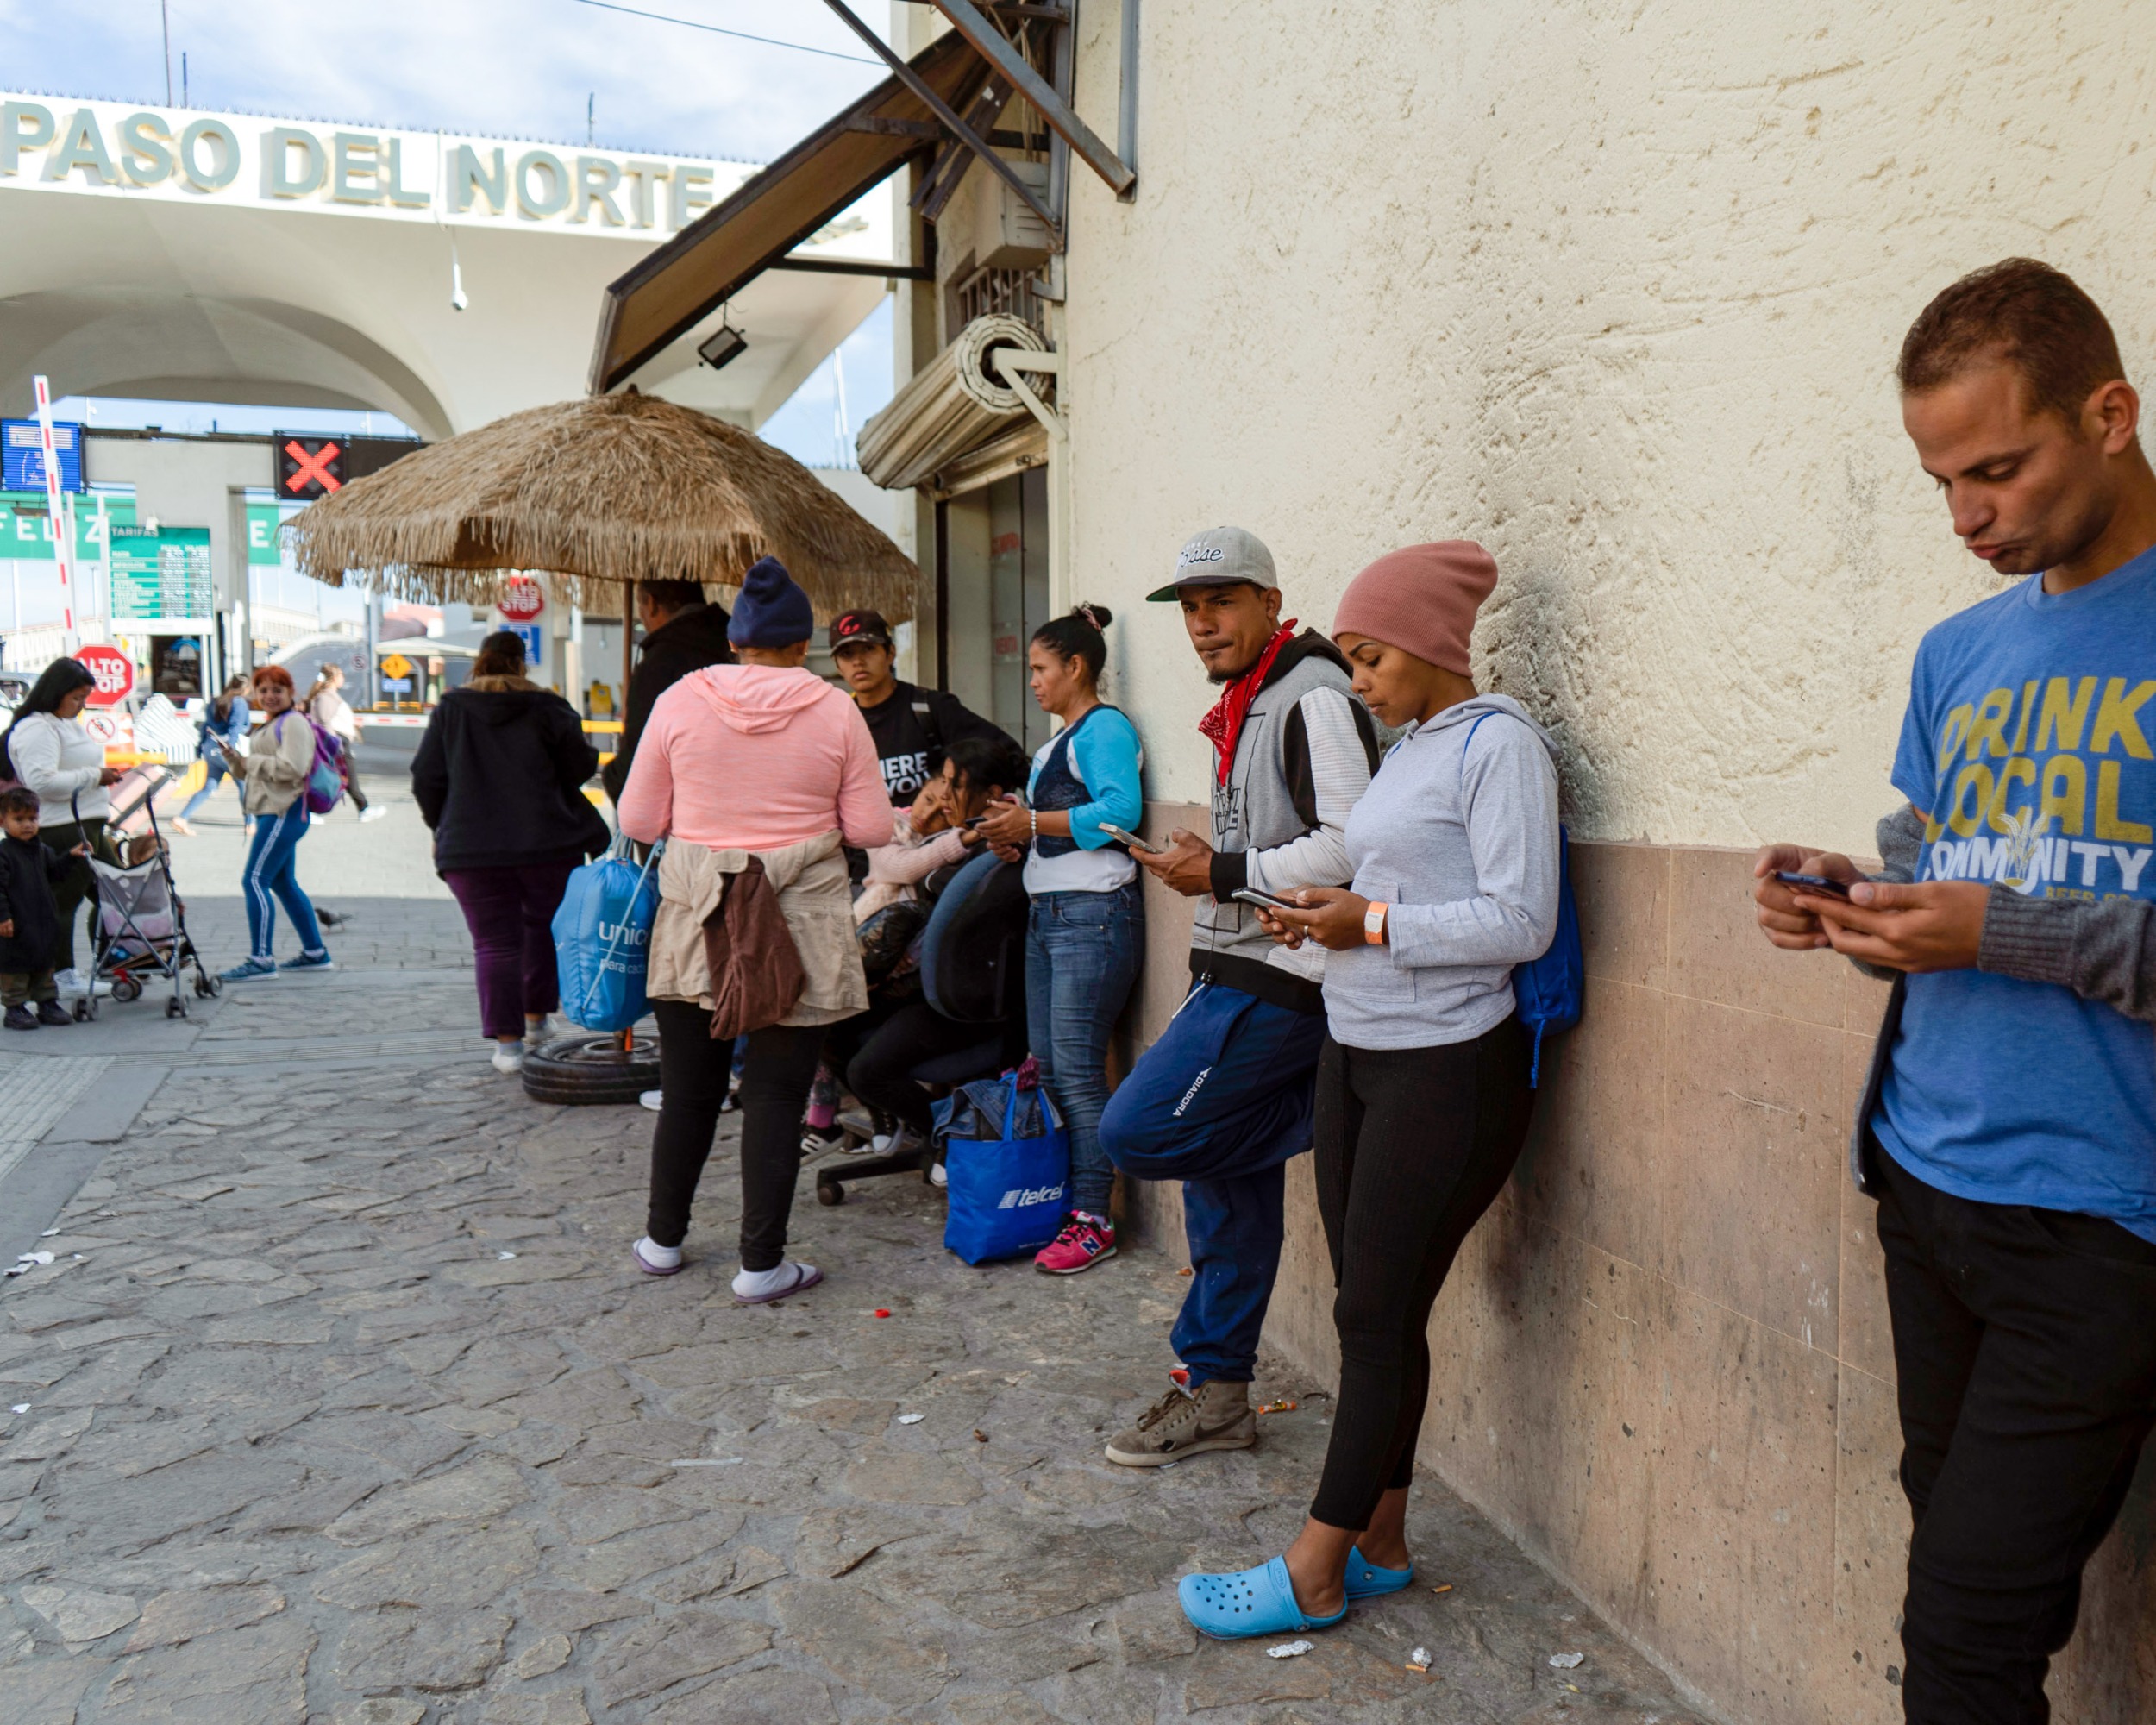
(1221, 1102)
(270, 879)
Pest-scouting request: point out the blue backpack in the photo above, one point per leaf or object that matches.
(1549, 992)
(601, 939)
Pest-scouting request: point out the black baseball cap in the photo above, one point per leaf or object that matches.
(859, 629)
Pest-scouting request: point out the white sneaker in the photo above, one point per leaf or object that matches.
(509, 1056)
(653, 1100)
(73, 985)
(372, 812)
(938, 1176)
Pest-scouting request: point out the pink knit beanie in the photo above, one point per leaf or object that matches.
(1421, 600)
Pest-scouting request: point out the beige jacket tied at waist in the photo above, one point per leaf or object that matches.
(814, 896)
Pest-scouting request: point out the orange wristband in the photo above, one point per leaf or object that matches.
(1374, 925)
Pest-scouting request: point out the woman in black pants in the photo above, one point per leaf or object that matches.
(1423, 1084)
(759, 763)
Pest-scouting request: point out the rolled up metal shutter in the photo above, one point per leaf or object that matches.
(953, 404)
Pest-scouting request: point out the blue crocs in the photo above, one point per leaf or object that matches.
(1365, 1580)
(1250, 1601)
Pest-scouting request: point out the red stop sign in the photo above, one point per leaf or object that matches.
(113, 671)
(522, 599)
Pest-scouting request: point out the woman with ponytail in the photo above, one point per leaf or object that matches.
(1088, 923)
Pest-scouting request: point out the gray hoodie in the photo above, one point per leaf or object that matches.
(1459, 837)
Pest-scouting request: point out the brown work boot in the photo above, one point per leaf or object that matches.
(1215, 1416)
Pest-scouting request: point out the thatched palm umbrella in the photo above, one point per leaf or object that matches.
(614, 488)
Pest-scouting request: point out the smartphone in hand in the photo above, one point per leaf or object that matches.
(1251, 895)
(1813, 883)
(1130, 838)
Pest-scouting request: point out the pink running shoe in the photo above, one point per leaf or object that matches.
(1085, 1241)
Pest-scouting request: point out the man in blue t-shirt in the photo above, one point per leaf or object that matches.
(2009, 1130)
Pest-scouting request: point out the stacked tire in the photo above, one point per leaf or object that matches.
(589, 1070)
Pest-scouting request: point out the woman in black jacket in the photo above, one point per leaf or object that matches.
(499, 777)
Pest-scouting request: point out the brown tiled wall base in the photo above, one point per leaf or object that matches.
(1663, 1361)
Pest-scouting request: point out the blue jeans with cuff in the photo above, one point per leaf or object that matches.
(1081, 956)
(1221, 1102)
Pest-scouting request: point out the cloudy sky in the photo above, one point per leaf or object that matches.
(519, 68)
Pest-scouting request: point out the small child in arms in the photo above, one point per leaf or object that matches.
(29, 914)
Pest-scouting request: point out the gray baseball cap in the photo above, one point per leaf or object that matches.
(1220, 557)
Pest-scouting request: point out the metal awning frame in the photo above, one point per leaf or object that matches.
(951, 143)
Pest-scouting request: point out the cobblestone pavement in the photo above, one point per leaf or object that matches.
(338, 1402)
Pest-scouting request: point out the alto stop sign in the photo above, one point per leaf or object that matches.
(522, 600)
(113, 671)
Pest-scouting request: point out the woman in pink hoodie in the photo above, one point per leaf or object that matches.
(763, 756)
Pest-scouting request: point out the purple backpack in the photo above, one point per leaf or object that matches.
(325, 780)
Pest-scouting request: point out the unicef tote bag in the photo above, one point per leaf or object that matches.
(601, 939)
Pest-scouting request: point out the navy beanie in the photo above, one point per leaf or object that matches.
(772, 610)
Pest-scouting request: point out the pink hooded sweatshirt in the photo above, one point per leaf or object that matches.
(754, 757)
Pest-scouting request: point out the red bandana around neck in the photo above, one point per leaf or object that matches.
(1224, 724)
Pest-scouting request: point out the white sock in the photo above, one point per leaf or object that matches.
(664, 1256)
(751, 1283)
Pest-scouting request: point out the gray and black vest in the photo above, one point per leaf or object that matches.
(1270, 799)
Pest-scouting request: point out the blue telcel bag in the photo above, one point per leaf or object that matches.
(1007, 1155)
(601, 939)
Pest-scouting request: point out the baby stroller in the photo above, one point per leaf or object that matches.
(141, 921)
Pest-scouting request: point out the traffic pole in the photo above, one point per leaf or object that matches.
(63, 547)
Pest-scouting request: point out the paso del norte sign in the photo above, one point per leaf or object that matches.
(116, 150)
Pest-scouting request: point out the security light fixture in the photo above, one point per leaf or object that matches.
(722, 347)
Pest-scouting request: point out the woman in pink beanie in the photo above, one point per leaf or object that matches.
(1424, 1085)
(1422, 600)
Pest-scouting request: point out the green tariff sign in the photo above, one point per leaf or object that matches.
(160, 573)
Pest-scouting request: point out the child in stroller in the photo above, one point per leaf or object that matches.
(141, 920)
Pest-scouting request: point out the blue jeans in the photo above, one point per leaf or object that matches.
(218, 770)
(270, 876)
(1221, 1102)
(1081, 954)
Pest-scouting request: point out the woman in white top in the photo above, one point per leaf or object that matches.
(50, 750)
(326, 705)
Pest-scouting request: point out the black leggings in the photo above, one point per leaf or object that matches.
(1414, 1145)
(693, 1072)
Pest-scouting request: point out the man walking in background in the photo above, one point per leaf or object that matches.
(1225, 1097)
(913, 726)
(2009, 1130)
(682, 633)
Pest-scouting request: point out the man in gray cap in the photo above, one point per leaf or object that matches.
(1225, 1098)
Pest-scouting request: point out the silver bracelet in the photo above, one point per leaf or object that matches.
(1033, 819)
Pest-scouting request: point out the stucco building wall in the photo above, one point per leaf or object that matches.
(1617, 291)
(1615, 288)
